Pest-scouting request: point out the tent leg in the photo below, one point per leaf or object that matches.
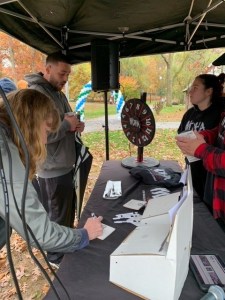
(106, 126)
(78, 202)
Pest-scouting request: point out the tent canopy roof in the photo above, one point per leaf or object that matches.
(220, 61)
(140, 27)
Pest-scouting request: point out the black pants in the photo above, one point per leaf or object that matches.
(3, 233)
(58, 198)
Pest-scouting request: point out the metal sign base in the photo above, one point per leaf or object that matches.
(131, 162)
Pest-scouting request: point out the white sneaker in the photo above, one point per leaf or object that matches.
(54, 265)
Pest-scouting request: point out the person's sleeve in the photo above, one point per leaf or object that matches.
(84, 239)
(213, 158)
(211, 135)
(60, 134)
(50, 235)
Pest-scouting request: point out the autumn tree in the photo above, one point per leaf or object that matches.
(135, 68)
(80, 75)
(168, 58)
(18, 59)
(129, 87)
(182, 68)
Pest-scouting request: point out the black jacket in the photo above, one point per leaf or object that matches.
(195, 119)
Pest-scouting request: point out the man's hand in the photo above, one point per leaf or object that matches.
(72, 119)
(94, 227)
(80, 127)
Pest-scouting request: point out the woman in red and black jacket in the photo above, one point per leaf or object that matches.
(209, 146)
(205, 95)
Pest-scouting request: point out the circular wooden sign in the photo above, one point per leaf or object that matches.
(138, 122)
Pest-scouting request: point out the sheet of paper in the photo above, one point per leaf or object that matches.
(184, 176)
(107, 230)
(161, 205)
(134, 204)
(174, 209)
(192, 159)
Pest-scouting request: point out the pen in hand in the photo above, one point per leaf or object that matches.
(93, 215)
(93, 226)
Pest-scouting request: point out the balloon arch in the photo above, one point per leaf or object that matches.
(86, 90)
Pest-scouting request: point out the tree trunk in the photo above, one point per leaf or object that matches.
(12, 59)
(169, 62)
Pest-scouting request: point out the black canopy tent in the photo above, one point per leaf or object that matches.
(140, 27)
(220, 61)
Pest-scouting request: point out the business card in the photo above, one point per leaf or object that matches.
(134, 204)
(107, 230)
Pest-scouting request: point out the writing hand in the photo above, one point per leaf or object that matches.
(94, 227)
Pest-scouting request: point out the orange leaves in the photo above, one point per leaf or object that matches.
(36, 273)
(18, 59)
(27, 272)
(20, 272)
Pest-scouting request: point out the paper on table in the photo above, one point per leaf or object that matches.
(134, 204)
(112, 190)
(107, 230)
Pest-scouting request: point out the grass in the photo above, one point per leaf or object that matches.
(163, 145)
(97, 109)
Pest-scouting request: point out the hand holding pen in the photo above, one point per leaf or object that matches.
(94, 226)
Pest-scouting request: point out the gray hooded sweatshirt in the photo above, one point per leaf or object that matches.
(61, 151)
(50, 235)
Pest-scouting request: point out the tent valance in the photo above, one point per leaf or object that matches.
(140, 27)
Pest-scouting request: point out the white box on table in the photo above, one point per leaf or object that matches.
(141, 267)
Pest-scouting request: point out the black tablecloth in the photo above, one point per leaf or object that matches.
(85, 273)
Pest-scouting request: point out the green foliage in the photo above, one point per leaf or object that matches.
(172, 109)
(188, 65)
(95, 109)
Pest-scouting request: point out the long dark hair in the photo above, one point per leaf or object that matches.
(214, 82)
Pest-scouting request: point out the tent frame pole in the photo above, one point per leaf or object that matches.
(106, 126)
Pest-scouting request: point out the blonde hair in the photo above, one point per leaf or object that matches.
(30, 108)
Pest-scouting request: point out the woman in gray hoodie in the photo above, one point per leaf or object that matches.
(36, 116)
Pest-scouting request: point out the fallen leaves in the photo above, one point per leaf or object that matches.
(20, 272)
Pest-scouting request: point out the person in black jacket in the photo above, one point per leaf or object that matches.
(205, 95)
